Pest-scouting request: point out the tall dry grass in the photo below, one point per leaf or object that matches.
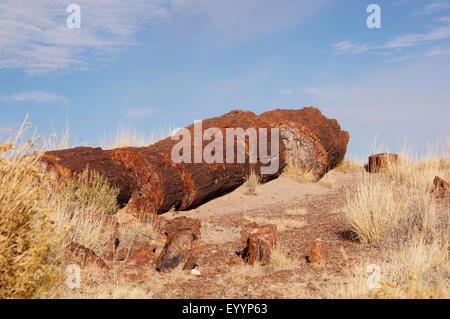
(416, 269)
(40, 215)
(128, 137)
(251, 183)
(27, 238)
(390, 205)
(395, 210)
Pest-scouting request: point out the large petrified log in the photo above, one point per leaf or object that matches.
(151, 181)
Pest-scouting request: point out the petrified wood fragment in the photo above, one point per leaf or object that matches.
(258, 241)
(82, 256)
(182, 246)
(380, 161)
(440, 188)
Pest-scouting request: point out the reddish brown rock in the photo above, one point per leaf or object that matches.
(182, 246)
(318, 252)
(440, 188)
(380, 161)
(312, 140)
(142, 252)
(181, 223)
(258, 240)
(83, 256)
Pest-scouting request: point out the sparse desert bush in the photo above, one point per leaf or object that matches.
(27, 237)
(90, 189)
(83, 206)
(251, 183)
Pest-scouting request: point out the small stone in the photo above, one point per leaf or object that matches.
(142, 252)
(440, 188)
(195, 272)
(318, 252)
(83, 256)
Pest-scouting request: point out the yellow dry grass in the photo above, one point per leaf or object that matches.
(251, 183)
(299, 174)
(128, 137)
(395, 208)
(27, 236)
(279, 256)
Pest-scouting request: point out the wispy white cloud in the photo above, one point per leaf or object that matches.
(401, 58)
(438, 51)
(396, 44)
(435, 7)
(350, 47)
(140, 112)
(37, 96)
(410, 40)
(34, 36)
(445, 19)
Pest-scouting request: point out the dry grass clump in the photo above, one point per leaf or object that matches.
(128, 137)
(251, 183)
(395, 208)
(307, 175)
(349, 166)
(84, 204)
(90, 189)
(299, 174)
(86, 227)
(390, 205)
(279, 256)
(27, 236)
(380, 210)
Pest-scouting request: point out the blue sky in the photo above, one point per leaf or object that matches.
(155, 64)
